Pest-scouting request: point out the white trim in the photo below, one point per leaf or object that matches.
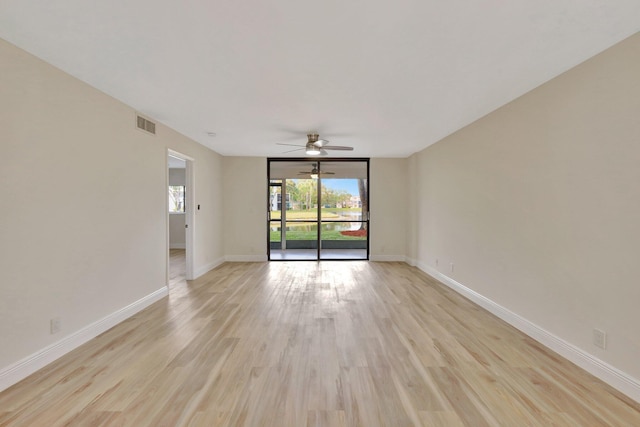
(23, 368)
(178, 246)
(617, 379)
(246, 258)
(388, 258)
(190, 219)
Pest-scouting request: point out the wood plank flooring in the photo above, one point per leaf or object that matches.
(177, 267)
(313, 344)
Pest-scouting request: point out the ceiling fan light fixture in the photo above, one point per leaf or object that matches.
(314, 176)
(312, 150)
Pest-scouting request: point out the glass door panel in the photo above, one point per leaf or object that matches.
(343, 240)
(302, 218)
(275, 214)
(344, 211)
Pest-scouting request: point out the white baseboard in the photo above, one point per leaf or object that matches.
(207, 267)
(20, 370)
(614, 377)
(246, 258)
(388, 258)
(177, 246)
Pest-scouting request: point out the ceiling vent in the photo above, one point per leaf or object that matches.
(145, 124)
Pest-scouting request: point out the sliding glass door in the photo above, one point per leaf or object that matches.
(344, 219)
(318, 209)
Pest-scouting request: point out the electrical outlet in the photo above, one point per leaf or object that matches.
(600, 338)
(54, 325)
(451, 265)
(436, 262)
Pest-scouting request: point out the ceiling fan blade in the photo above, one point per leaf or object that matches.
(292, 145)
(338, 147)
(327, 173)
(321, 143)
(290, 151)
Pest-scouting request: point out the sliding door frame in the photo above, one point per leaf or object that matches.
(366, 217)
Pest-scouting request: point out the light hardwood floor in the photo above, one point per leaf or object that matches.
(313, 344)
(177, 267)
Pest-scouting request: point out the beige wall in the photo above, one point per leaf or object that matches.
(177, 176)
(83, 224)
(388, 188)
(245, 208)
(177, 234)
(538, 205)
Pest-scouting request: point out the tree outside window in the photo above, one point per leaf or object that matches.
(176, 199)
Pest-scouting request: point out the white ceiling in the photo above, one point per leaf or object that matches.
(387, 77)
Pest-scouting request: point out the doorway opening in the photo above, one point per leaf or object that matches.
(180, 218)
(318, 209)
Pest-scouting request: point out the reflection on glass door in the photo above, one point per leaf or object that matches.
(276, 239)
(302, 218)
(318, 209)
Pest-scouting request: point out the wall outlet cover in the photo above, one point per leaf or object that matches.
(600, 338)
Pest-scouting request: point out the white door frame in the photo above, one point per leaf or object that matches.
(190, 206)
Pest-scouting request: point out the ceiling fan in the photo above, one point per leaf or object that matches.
(315, 172)
(316, 146)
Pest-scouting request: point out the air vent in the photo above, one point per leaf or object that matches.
(145, 125)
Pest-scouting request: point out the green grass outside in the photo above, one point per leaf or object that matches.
(312, 214)
(312, 235)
